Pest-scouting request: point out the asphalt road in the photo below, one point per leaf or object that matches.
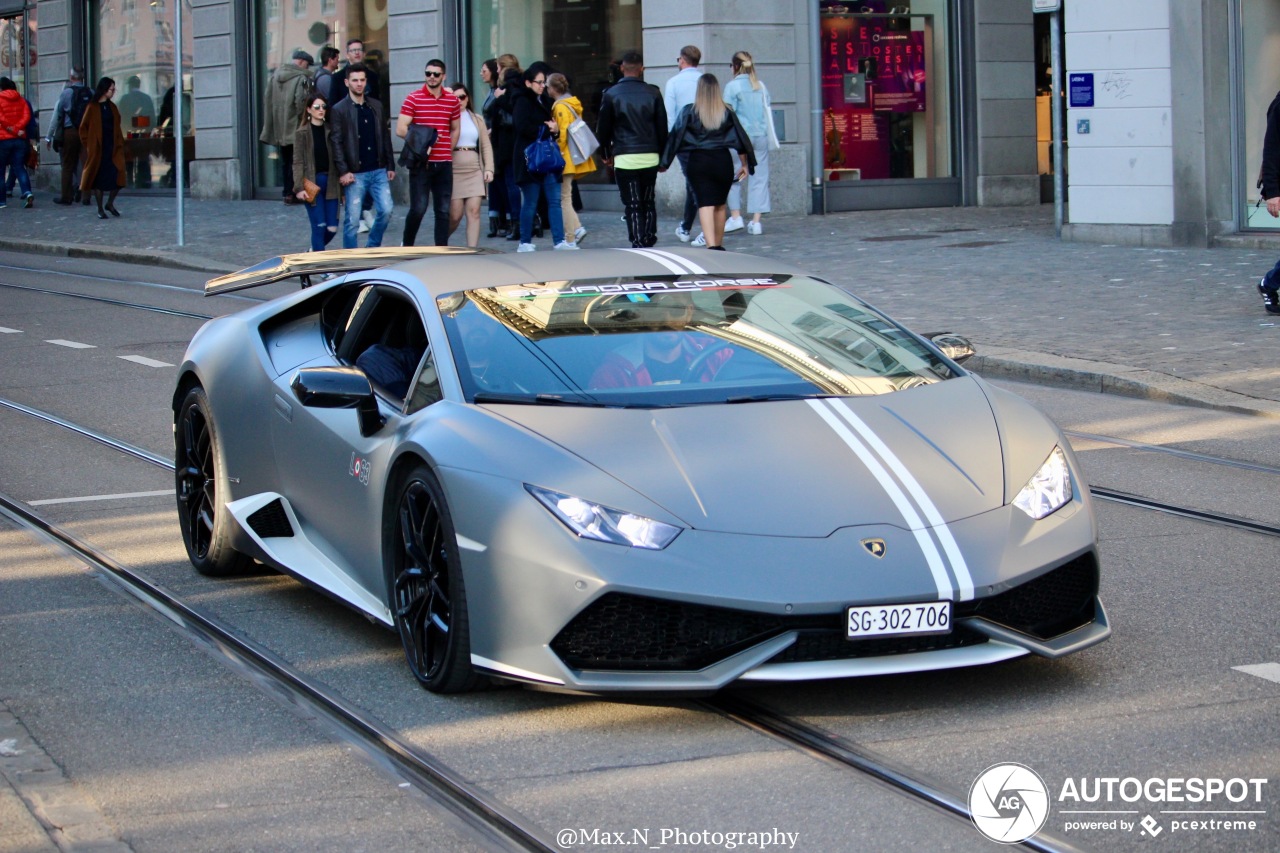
(161, 747)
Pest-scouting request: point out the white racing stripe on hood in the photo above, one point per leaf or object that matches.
(917, 526)
(674, 263)
(964, 581)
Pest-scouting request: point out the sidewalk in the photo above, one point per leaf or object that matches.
(1183, 325)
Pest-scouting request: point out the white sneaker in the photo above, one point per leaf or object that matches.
(363, 228)
(733, 223)
(579, 233)
(527, 247)
(566, 246)
(682, 235)
(700, 240)
(755, 229)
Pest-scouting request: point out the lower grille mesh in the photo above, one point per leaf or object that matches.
(622, 632)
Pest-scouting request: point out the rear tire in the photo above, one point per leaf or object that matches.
(202, 490)
(425, 586)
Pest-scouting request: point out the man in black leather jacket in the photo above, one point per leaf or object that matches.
(1269, 185)
(632, 130)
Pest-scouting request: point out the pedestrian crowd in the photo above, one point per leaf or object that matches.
(521, 144)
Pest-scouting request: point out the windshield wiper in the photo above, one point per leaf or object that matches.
(765, 398)
(534, 399)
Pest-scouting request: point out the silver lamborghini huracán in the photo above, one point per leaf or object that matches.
(629, 470)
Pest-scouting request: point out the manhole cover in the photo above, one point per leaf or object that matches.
(895, 237)
(976, 244)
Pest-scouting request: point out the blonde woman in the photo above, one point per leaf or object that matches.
(710, 132)
(566, 110)
(472, 167)
(749, 100)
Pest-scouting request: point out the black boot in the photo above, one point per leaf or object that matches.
(493, 226)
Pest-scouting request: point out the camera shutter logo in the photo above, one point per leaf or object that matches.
(1009, 803)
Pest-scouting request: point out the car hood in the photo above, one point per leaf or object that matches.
(912, 458)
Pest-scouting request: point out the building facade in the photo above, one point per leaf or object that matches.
(878, 103)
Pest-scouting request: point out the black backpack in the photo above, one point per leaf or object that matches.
(81, 97)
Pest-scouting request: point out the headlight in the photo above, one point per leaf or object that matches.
(593, 521)
(1048, 489)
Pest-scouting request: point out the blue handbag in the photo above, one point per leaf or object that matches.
(542, 156)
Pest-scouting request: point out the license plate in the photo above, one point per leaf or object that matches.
(882, 620)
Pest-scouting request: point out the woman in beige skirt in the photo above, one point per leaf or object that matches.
(472, 167)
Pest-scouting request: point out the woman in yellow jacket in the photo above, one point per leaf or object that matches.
(566, 110)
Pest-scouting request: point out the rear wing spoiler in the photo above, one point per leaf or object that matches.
(304, 265)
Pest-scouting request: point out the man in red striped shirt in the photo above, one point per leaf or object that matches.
(433, 106)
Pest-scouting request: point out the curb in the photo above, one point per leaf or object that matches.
(1102, 377)
(149, 257)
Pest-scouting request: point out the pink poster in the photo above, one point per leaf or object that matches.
(872, 66)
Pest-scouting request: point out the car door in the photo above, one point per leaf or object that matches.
(327, 466)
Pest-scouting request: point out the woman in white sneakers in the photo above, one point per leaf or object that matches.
(749, 99)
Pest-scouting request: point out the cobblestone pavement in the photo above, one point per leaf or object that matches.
(1177, 324)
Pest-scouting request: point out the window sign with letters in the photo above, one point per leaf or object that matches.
(1080, 90)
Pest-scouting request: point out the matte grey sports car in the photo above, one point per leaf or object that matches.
(629, 470)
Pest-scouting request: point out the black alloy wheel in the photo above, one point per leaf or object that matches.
(428, 600)
(205, 523)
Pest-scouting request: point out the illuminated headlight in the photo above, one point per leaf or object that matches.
(1048, 489)
(593, 521)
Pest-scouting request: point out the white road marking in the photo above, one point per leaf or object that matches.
(72, 344)
(1269, 671)
(5, 330)
(122, 496)
(142, 359)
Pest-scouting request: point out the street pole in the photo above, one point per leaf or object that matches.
(179, 167)
(1055, 104)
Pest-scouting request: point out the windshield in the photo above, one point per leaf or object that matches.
(677, 341)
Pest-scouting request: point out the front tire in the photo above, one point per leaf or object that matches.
(201, 487)
(427, 595)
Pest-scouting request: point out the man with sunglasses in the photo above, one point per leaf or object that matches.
(435, 107)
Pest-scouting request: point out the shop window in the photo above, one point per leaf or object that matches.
(18, 51)
(310, 26)
(1260, 49)
(133, 44)
(885, 90)
(579, 40)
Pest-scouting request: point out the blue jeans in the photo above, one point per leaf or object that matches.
(375, 183)
(323, 215)
(13, 155)
(548, 185)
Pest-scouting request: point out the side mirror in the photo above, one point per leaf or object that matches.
(339, 388)
(953, 346)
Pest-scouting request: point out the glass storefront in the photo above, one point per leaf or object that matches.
(886, 93)
(578, 39)
(283, 26)
(18, 51)
(1258, 80)
(132, 43)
